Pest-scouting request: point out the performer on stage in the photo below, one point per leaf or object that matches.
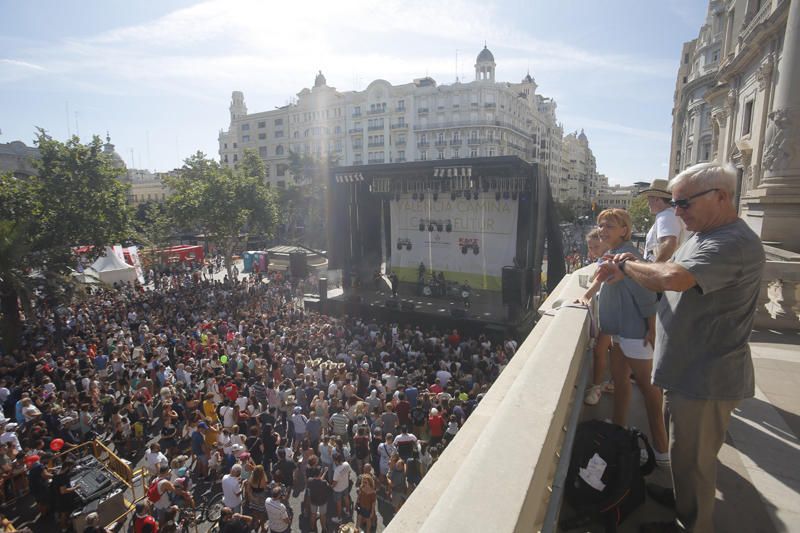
(395, 284)
(466, 293)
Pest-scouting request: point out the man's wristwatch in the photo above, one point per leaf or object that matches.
(621, 265)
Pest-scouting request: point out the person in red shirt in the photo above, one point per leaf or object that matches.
(436, 426)
(144, 522)
(403, 410)
(231, 391)
(435, 389)
(454, 339)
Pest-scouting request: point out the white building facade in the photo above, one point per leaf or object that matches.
(388, 123)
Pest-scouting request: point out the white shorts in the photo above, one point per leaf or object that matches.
(634, 348)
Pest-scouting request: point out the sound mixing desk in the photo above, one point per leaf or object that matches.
(97, 490)
(91, 481)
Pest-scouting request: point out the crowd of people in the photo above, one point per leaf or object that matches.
(234, 381)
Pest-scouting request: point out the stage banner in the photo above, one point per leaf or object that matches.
(469, 240)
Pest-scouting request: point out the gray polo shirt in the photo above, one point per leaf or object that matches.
(702, 334)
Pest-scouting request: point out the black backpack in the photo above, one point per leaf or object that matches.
(617, 487)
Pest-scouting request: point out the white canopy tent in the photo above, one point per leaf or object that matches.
(111, 269)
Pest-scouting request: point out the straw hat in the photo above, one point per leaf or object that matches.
(657, 189)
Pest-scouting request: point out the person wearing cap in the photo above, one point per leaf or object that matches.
(667, 232)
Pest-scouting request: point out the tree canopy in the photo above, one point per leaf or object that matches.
(303, 206)
(225, 204)
(75, 199)
(640, 214)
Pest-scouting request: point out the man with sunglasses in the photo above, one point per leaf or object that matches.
(702, 357)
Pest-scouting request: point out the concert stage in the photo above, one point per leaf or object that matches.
(486, 312)
(478, 221)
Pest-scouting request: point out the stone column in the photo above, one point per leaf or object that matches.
(773, 208)
(781, 159)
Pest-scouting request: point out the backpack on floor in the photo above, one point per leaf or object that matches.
(605, 479)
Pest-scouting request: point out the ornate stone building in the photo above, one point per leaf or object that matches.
(737, 99)
(415, 121)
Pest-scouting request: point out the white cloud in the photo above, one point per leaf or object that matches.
(275, 44)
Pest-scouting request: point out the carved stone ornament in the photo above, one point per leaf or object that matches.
(764, 73)
(730, 100)
(774, 304)
(781, 140)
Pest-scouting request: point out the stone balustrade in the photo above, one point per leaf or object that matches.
(498, 472)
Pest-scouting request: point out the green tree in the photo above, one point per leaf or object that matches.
(225, 204)
(153, 223)
(640, 215)
(566, 213)
(76, 199)
(304, 204)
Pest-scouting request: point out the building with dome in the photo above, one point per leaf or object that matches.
(415, 121)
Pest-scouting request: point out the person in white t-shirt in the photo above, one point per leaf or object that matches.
(155, 459)
(668, 232)
(341, 484)
(232, 489)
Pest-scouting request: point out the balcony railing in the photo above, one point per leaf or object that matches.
(355, 130)
(356, 114)
(441, 143)
(490, 105)
(400, 143)
(374, 128)
(422, 110)
(358, 161)
(375, 145)
(377, 111)
(399, 109)
(399, 126)
(423, 144)
(474, 140)
(456, 142)
(400, 160)
(472, 487)
(757, 19)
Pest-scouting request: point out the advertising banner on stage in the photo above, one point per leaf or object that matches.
(469, 240)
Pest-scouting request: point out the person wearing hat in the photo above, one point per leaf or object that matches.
(668, 231)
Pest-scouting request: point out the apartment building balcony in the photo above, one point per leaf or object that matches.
(355, 131)
(358, 161)
(490, 105)
(399, 126)
(356, 114)
(399, 159)
(374, 128)
(358, 147)
(505, 469)
(376, 161)
(474, 140)
(399, 109)
(441, 143)
(400, 143)
(456, 142)
(423, 144)
(422, 111)
(378, 111)
(375, 145)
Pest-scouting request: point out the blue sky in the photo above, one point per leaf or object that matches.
(158, 74)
